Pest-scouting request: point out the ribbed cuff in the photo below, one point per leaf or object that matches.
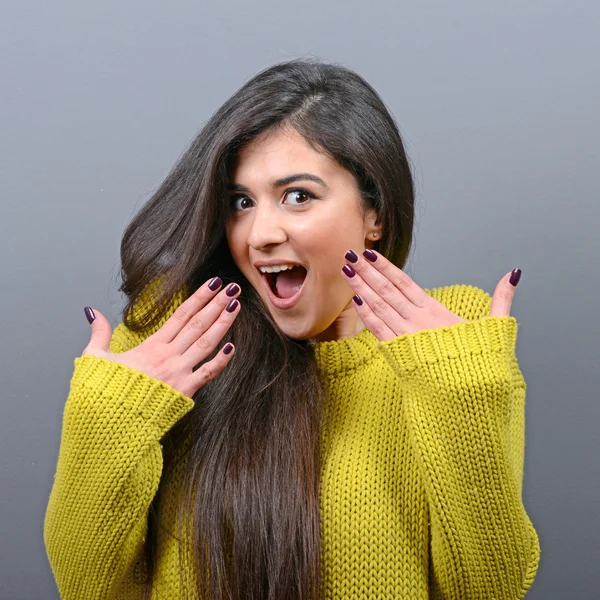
(409, 352)
(127, 393)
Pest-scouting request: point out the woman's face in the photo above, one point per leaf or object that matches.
(292, 204)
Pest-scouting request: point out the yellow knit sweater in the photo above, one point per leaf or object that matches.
(422, 467)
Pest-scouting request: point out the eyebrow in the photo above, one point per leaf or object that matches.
(284, 181)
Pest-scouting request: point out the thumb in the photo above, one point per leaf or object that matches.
(101, 331)
(504, 294)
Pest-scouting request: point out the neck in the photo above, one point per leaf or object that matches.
(347, 324)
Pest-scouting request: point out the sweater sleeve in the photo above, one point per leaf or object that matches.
(108, 471)
(464, 404)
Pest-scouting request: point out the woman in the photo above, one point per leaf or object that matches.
(364, 439)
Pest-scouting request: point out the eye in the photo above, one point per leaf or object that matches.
(241, 202)
(300, 193)
(234, 202)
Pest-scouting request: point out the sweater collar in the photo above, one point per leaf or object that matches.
(338, 357)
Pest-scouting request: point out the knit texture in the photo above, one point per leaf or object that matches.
(422, 467)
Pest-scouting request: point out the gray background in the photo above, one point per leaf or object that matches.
(498, 105)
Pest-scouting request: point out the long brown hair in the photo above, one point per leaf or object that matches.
(251, 442)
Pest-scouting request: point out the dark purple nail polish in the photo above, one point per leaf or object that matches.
(351, 256)
(357, 299)
(370, 255)
(515, 276)
(228, 348)
(232, 305)
(89, 314)
(232, 290)
(215, 284)
(348, 270)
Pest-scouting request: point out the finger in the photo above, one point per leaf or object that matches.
(101, 333)
(202, 345)
(371, 321)
(503, 294)
(379, 283)
(210, 369)
(197, 328)
(401, 280)
(373, 302)
(186, 310)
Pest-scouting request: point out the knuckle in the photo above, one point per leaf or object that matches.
(385, 289)
(378, 328)
(207, 372)
(379, 307)
(100, 328)
(506, 294)
(198, 324)
(203, 343)
(181, 315)
(402, 280)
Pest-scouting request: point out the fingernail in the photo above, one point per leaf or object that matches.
(232, 290)
(351, 256)
(515, 276)
(370, 255)
(357, 299)
(89, 314)
(348, 270)
(232, 305)
(215, 284)
(228, 348)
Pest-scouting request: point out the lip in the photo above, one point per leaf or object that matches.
(283, 303)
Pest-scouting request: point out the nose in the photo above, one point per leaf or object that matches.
(266, 226)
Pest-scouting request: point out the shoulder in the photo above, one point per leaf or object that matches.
(466, 301)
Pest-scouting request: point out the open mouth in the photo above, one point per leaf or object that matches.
(286, 284)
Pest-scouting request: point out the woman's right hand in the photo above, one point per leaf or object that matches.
(185, 340)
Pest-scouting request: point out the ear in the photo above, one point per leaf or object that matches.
(372, 223)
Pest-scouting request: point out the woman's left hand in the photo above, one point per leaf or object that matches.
(393, 304)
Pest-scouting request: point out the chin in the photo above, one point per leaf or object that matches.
(296, 331)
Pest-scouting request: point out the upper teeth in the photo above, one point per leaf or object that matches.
(276, 268)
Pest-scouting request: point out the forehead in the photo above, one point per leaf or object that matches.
(279, 153)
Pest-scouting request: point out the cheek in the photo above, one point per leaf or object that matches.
(236, 243)
(327, 262)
